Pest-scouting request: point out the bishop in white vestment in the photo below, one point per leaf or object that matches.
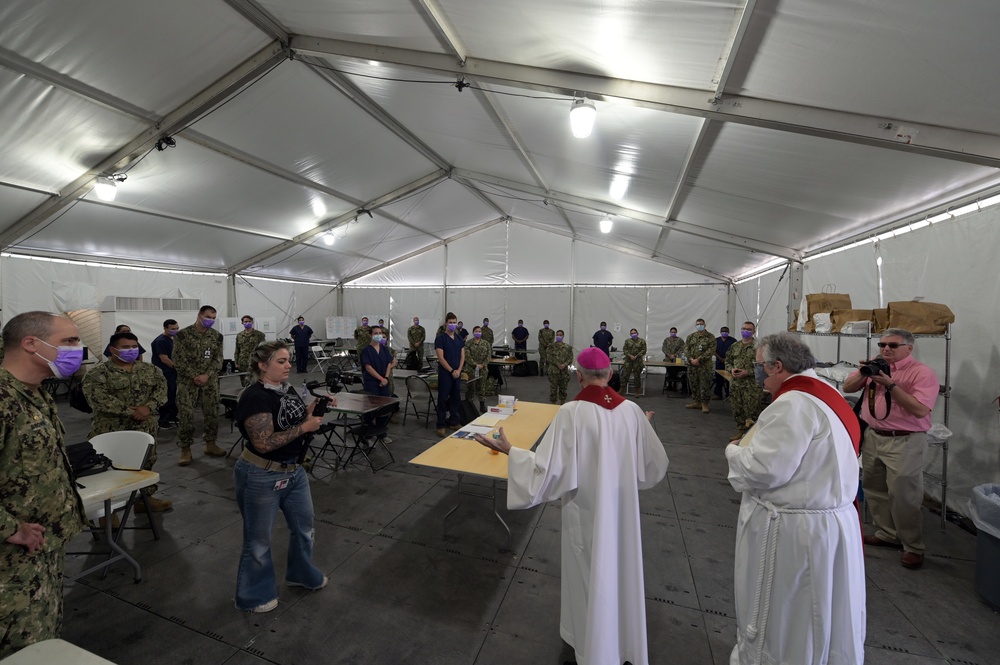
(800, 576)
(599, 451)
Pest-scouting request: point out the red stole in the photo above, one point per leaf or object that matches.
(832, 399)
(604, 396)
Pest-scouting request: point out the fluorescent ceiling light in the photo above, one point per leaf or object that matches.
(329, 238)
(105, 188)
(581, 118)
(606, 225)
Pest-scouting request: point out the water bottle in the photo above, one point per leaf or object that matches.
(305, 391)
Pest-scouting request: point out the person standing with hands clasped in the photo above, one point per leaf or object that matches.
(899, 393)
(634, 349)
(450, 351)
(301, 334)
(700, 350)
(269, 477)
(376, 361)
(599, 451)
(198, 359)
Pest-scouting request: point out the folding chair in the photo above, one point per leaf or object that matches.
(126, 450)
(367, 436)
(321, 357)
(418, 391)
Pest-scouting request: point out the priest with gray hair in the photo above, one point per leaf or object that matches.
(800, 573)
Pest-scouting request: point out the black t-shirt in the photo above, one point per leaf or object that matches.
(287, 410)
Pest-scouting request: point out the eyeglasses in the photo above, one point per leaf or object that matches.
(891, 345)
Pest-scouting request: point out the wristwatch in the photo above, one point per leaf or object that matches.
(889, 387)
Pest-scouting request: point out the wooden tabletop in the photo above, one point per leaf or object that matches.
(654, 363)
(523, 429)
(506, 361)
(112, 484)
(359, 403)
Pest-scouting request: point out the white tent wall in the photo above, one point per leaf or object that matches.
(534, 305)
(427, 268)
(367, 301)
(59, 286)
(593, 264)
(286, 301)
(678, 307)
(479, 258)
(425, 303)
(764, 300)
(472, 305)
(929, 262)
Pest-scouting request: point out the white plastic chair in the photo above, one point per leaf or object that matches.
(129, 451)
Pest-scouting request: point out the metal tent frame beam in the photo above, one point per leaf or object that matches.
(935, 141)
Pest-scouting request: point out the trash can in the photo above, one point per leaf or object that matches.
(984, 509)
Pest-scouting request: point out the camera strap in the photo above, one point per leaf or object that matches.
(871, 401)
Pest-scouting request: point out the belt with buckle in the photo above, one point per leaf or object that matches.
(891, 432)
(268, 464)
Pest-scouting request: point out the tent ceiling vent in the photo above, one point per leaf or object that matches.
(135, 304)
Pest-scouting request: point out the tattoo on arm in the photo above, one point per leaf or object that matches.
(260, 429)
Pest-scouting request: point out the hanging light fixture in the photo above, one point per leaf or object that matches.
(329, 238)
(106, 186)
(581, 117)
(606, 224)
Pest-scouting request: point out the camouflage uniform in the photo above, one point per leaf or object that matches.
(111, 392)
(560, 353)
(546, 337)
(392, 383)
(1, 349)
(246, 342)
(362, 337)
(35, 486)
(196, 354)
(477, 352)
(744, 393)
(416, 336)
(633, 368)
(488, 335)
(701, 377)
(672, 346)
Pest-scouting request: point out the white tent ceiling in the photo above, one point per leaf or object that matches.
(749, 130)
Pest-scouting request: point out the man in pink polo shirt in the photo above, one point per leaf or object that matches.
(897, 409)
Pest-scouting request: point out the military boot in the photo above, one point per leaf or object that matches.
(185, 456)
(693, 405)
(213, 450)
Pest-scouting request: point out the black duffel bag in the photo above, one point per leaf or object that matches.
(85, 461)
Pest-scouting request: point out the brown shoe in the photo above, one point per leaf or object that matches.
(704, 408)
(454, 428)
(693, 405)
(213, 450)
(875, 541)
(912, 560)
(155, 505)
(441, 432)
(115, 522)
(185, 456)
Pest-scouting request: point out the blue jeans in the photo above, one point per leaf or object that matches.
(449, 396)
(259, 500)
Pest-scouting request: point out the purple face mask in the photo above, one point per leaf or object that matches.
(208, 323)
(635, 335)
(477, 335)
(128, 355)
(604, 327)
(545, 325)
(452, 326)
(172, 332)
(248, 325)
(673, 334)
(724, 335)
(383, 340)
(68, 360)
(746, 334)
(559, 338)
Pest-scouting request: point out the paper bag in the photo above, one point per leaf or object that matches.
(819, 303)
(927, 318)
(880, 319)
(794, 325)
(839, 317)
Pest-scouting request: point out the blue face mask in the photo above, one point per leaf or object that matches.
(700, 328)
(377, 338)
(759, 374)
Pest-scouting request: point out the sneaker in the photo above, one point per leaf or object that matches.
(167, 425)
(155, 505)
(326, 581)
(266, 607)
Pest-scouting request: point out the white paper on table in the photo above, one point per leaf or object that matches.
(489, 419)
(477, 429)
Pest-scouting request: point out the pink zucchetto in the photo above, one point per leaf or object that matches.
(593, 358)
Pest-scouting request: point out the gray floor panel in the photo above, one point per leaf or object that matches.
(711, 554)
(439, 584)
(676, 635)
(888, 628)
(665, 565)
(503, 648)
(706, 500)
(888, 657)
(530, 610)
(721, 637)
(697, 461)
(543, 553)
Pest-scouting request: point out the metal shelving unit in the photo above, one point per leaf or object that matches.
(944, 391)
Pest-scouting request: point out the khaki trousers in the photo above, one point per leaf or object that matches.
(892, 475)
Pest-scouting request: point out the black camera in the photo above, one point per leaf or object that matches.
(874, 366)
(322, 402)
